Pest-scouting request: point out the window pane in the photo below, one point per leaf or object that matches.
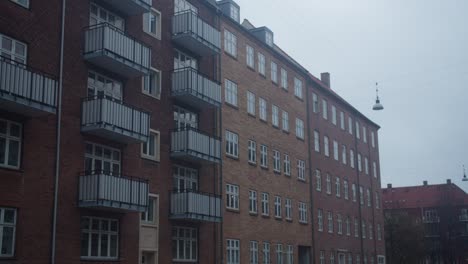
(7, 241)
(84, 244)
(104, 245)
(3, 127)
(113, 246)
(2, 150)
(94, 244)
(13, 153)
(9, 216)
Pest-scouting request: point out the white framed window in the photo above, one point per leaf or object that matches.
(316, 141)
(344, 159)
(152, 23)
(265, 204)
(369, 198)
(364, 134)
(333, 110)
(336, 154)
(288, 206)
(253, 249)
(262, 109)
(358, 259)
(353, 188)
(150, 216)
(183, 5)
(320, 220)
(100, 85)
(102, 159)
(332, 258)
(232, 196)
(230, 43)
(235, 13)
(358, 134)
(10, 144)
(346, 189)
(377, 200)
(150, 149)
(252, 155)
(279, 253)
(230, 92)
(250, 56)
(285, 121)
(24, 3)
(326, 148)
(328, 179)
(297, 87)
(359, 163)
(289, 254)
(232, 144)
(284, 79)
(364, 230)
(287, 165)
(322, 257)
(264, 156)
(269, 38)
(183, 60)
(274, 116)
(99, 238)
(324, 109)
(371, 231)
(261, 64)
(151, 83)
(350, 125)
(98, 15)
(299, 128)
(338, 187)
(276, 161)
(7, 231)
(372, 139)
(301, 170)
(379, 232)
(274, 72)
(253, 202)
(330, 222)
(250, 103)
(366, 165)
(350, 258)
(374, 169)
(339, 222)
(184, 178)
(315, 103)
(13, 49)
(232, 251)
(277, 207)
(351, 158)
(302, 212)
(348, 226)
(356, 227)
(380, 259)
(266, 253)
(342, 121)
(318, 180)
(361, 195)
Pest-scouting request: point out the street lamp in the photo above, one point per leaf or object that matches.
(377, 106)
(464, 174)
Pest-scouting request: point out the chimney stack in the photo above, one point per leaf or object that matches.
(325, 78)
(449, 181)
(425, 183)
(389, 186)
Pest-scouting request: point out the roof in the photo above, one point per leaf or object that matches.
(435, 195)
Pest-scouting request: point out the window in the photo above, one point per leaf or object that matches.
(152, 83)
(358, 134)
(359, 164)
(372, 139)
(100, 85)
(364, 229)
(274, 116)
(332, 258)
(274, 72)
(350, 258)
(250, 103)
(183, 5)
(285, 121)
(252, 151)
(377, 200)
(250, 57)
(265, 206)
(234, 13)
(253, 202)
(152, 23)
(354, 192)
(351, 158)
(148, 257)
(338, 187)
(345, 189)
(185, 178)
(232, 251)
(322, 257)
(151, 214)
(287, 165)
(284, 79)
(380, 259)
(369, 199)
(324, 109)
(333, 110)
(342, 120)
(7, 231)
(298, 88)
(99, 238)
(266, 253)
(230, 92)
(361, 195)
(289, 254)
(24, 3)
(261, 64)
(358, 259)
(183, 60)
(232, 196)
(348, 226)
(371, 232)
(316, 141)
(13, 49)
(263, 156)
(269, 38)
(230, 43)
(356, 227)
(232, 144)
(99, 158)
(315, 103)
(262, 109)
(301, 170)
(318, 177)
(277, 207)
(350, 125)
(302, 212)
(299, 128)
(343, 155)
(320, 220)
(288, 206)
(279, 254)
(328, 184)
(379, 232)
(276, 161)
(374, 169)
(253, 252)
(339, 222)
(98, 15)
(326, 148)
(336, 155)
(150, 149)
(330, 222)
(10, 144)
(364, 134)
(366, 165)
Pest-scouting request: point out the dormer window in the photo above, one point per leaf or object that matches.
(234, 13)
(269, 38)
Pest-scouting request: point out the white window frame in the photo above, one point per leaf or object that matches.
(342, 120)
(156, 145)
(361, 195)
(344, 158)
(325, 109)
(328, 184)
(359, 163)
(147, 23)
(278, 209)
(184, 5)
(351, 158)
(348, 226)
(316, 141)
(253, 205)
(146, 87)
(285, 121)
(151, 219)
(356, 227)
(330, 224)
(10, 225)
(230, 43)
(230, 92)
(379, 232)
(251, 103)
(346, 189)
(232, 251)
(287, 165)
(250, 58)
(232, 196)
(320, 220)
(19, 2)
(101, 233)
(263, 156)
(276, 161)
(366, 165)
(112, 161)
(377, 200)
(380, 259)
(339, 222)
(364, 134)
(265, 204)
(336, 154)
(322, 257)
(374, 169)
(13, 53)
(274, 72)
(284, 79)
(232, 144)
(369, 198)
(326, 148)
(288, 207)
(301, 168)
(354, 191)
(338, 187)
(252, 152)
(315, 103)
(11, 139)
(298, 88)
(350, 125)
(299, 128)
(318, 180)
(266, 253)
(373, 139)
(279, 254)
(253, 250)
(302, 213)
(333, 110)
(262, 109)
(261, 63)
(289, 254)
(358, 133)
(275, 116)
(99, 19)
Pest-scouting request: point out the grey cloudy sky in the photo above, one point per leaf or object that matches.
(415, 49)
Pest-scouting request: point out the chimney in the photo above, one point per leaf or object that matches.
(389, 186)
(449, 181)
(425, 183)
(325, 78)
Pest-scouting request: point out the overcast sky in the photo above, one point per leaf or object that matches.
(418, 52)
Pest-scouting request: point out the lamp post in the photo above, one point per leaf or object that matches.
(377, 106)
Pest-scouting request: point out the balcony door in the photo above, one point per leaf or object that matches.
(183, 60)
(102, 159)
(99, 85)
(184, 118)
(98, 15)
(185, 178)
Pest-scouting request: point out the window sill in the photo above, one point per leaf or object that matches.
(284, 89)
(299, 98)
(286, 131)
(263, 167)
(287, 175)
(157, 97)
(253, 164)
(93, 259)
(253, 214)
(265, 216)
(151, 159)
(231, 105)
(289, 220)
(234, 57)
(13, 170)
(251, 115)
(277, 172)
(251, 68)
(278, 218)
(232, 210)
(264, 121)
(153, 35)
(262, 75)
(274, 83)
(301, 180)
(146, 224)
(275, 126)
(232, 157)
(299, 138)
(303, 223)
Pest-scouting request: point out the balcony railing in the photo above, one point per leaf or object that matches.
(195, 206)
(108, 47)
(194, 145)
(192, 88)
(109, 118)
(100, 189)
(463, 218)
(194, 34)
(25, 90)
(130, 7)
(431, 219)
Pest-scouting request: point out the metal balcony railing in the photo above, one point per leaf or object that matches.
(195, 206)
(101, 189)
(109, 47)
(130, 7)
(25, 90)
(193, 33)
(194, 145)
(195, 89)
(110, 118)
(431, 219)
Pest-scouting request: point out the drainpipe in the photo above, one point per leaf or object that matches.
(59, 122)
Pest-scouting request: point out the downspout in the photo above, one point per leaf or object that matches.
(57, 153)
(311, 188)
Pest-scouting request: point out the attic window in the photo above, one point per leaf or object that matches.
(235, 13)
(269, 38)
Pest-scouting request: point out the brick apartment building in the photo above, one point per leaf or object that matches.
(442, 210)
(170, 132)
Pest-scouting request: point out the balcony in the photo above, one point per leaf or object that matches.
(130, 7)
(112, 119)
(26, 91)
(431, 219)
(193, 145)
(190, 87)
(463, 218)
(195, 206)
(108, 47)
(194, 34)
(100, 189)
